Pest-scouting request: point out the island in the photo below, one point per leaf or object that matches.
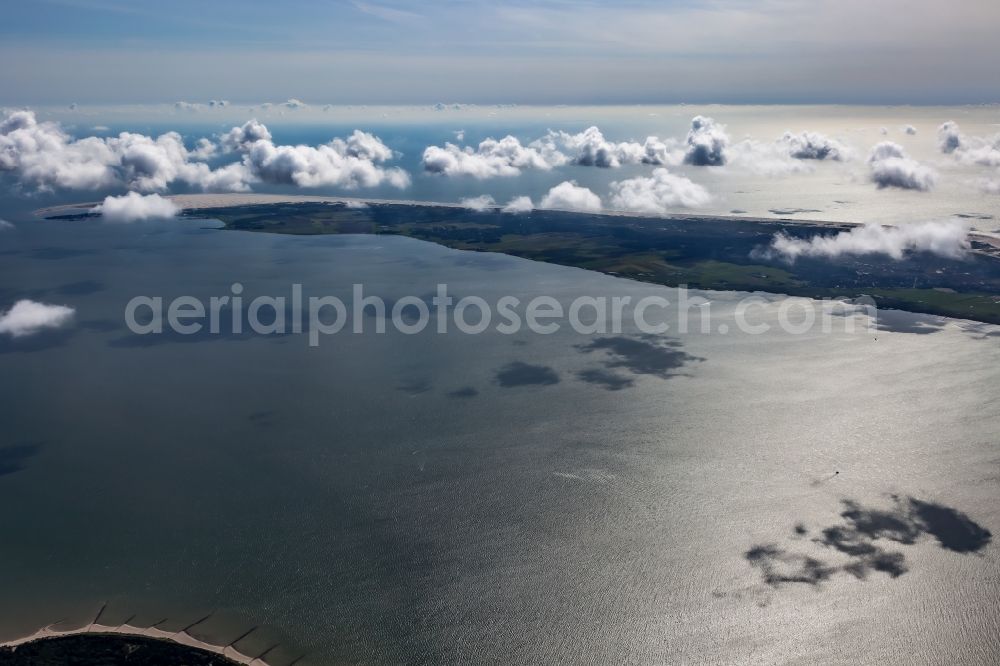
(702, 252)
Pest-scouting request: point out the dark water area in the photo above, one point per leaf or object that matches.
(564, 498)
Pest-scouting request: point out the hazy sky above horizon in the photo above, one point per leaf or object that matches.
(549, 51)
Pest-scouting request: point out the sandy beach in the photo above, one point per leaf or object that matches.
(180, 637)
(187, 202)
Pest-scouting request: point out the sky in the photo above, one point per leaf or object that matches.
(474, 51)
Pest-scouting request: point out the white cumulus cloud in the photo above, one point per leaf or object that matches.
(990, 185)
(947, 239)
(479, 204)
(766, 158)
(984, 151)
(658, 193)
(520, 204)
(508, 156)
(491, 158)
(706, 143)
(204, 150)
(44, 157)
(590, 148)
(987, 154)
(567, 195)
(349, 163)
(813, 146)
(891, 167)
(242, 137)
(790, 153)
(135, 207)
(28, 317)
(949, 137)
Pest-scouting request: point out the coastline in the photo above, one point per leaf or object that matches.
(180, 637)
(226, 200)
(187, 202)
(699, 251)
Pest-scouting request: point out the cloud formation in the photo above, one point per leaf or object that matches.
(479, 204)
(891, 167)
(349, 163)
(947, 239)
(567, 195)
(790, 153)
(508, 156)
(658, 193)
(135, 207)
(520, 204)
(485, 202)
(196, 107)
(29, 317)
(590, 148)
(909, 129)
(766, 158)
(949, 138)
(969, 149)
(706, 143)
(44, 157)
(6, 226)
(204, 149)
(987, 154)
(990, 185)
(491, 158)
(813, 146)
(242, 137)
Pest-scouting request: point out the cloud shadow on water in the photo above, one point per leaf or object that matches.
(47, 339)
(778, 566)
(525, 374)
(980, 331)
(606, 379)
(59, 253)
(863, 537)
(36, 342)
(102, 325)
(263, 419)
(415, 386)
(898, 321)
(13, 457)
(650, 355)
(80, 288)
(226, 330)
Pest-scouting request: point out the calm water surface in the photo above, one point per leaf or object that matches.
(417, 499)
